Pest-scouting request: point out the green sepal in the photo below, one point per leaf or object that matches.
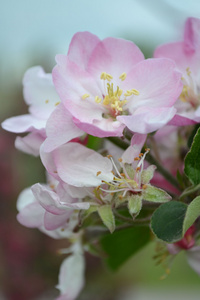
(147, 174)
(85, 213)
(154, 194)
(106, 215)
(134, 204)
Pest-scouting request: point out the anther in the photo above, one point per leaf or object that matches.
(46, 101)
(122, 76)
(120, 159)
(136, 158)
(97, 99)
(57, 103)
(109, 156)
(98, 173)
(85, 96)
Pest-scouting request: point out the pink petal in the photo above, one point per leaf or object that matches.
(30, 144)
(192, 35)
(102, 128)
(31, 215)
(81, 166)
(60, 129)
(137, 142)
(146, 120)
(49, 200)
(81, 47)
(52, 221)
(114, 56)
(158, 82)
(23, 123)
(183, 120)
(72, 83)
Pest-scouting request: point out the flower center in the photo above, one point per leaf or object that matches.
(190, 92)
(127, 181)
(114, 100)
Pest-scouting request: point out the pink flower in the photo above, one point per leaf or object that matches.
(186, 55)
(42, 98)
(107, 85)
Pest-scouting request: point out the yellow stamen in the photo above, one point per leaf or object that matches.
(85, 96)
(122, 76)
(135, 92)
(120, 159)
(98, 173)
(57, 103)
(47, 101)
(188, 71)
(109, 156)
(97, 99)
(106, 76)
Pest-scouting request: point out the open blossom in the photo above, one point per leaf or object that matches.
(186, 55)
(41, 97)
(107, 85)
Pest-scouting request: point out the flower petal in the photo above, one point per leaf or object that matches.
(71, 277)
(30, 144)
(60, 129)
(39, 92)
(148, 119)
(23, 123)
(81, 47)
(114, 56)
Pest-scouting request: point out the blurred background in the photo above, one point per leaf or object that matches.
(32, 33)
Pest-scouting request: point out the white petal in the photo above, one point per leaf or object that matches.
(71, 277)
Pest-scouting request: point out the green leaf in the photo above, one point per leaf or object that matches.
(153, 194)
(192, 213)
(122, 244)
(134, 204)
(192, 161)
(106, 215)
(191, 137)
(167, 221)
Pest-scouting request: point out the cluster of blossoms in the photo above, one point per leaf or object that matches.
(138, 113)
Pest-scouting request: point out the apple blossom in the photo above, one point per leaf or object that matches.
(42, 98)
(186, 55)
(107, 85)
